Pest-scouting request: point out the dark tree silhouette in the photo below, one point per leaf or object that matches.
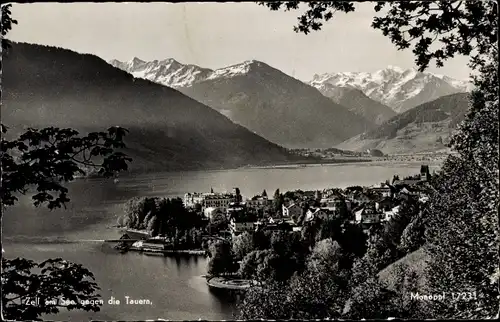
(44, 160)
(460, 27)
(461, 219)
(6, 25)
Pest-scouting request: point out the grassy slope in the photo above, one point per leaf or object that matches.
(417, 130)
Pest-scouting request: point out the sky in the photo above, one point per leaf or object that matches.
(215, 35)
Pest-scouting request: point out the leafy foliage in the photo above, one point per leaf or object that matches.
(222, 260)
(166, 217)
(242, 245)
(265, 301)
(6, 25)
(462, 223)
(58, 281)
(44, 158)
(460, 27)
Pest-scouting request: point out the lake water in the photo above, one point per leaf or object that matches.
(173, 284)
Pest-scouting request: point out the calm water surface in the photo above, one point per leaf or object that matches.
(173, 284)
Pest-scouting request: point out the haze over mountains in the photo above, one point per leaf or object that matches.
(425, 128)
(49, 86)
(357, 102)
(261, 98)
(395, 87)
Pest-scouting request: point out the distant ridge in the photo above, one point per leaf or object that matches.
(425, 128)
(395, 87)
(261, 98)
(49, 86)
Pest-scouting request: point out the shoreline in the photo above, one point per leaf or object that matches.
(395, 159)
(219, 282)
(198, 252)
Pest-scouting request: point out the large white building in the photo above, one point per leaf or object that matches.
(209, 200)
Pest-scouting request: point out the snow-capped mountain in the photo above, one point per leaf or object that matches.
(393, 86)
(171, 73)
(167, 72)
(261, 98)
(277, 106)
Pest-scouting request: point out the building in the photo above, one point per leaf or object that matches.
(332, 203)
(424, 173)
(384, 204)
(258, 202)
(292, 210)
(384, 190)
(359, 197)
(217, 200)
(368, 215)
(391, 213)
(241, 225)
(235, 209)
(313, 213)
(277, 226)
(209, 200)
(191, 199)
(210, 212)
(406, 182)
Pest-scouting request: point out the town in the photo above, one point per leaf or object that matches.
(230, 230)
(366, 206)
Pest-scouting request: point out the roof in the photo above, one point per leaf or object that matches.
(406, 182)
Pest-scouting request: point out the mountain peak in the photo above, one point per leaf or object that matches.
(395, 69)
(235, 70)
(399, 88)
(137, 60)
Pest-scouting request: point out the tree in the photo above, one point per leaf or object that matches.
(269, 301)
(218, 223)
(463, 252)
(58, 280)
(460, 27)
(46, 159)
(264, 193)
(242, 245)
(221, 259)
(6, 26)
(461, 226)
(278, 201)
(325, 257)
(313, 296)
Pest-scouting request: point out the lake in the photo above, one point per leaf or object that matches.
(173, 284)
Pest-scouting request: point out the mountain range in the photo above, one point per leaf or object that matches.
(357, 102)
(49, 86)
(395, 87)
(261, 98)
(425, 128)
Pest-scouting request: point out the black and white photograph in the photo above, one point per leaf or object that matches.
(279, 160)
